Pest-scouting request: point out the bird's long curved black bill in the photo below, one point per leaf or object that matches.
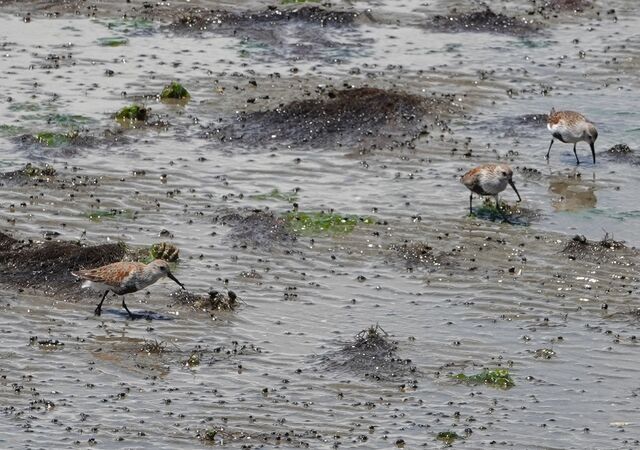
(176, 280)
(513, 185)
(593, 152)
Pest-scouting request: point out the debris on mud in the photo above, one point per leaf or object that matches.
(544, 353)
(359, 119)
(154, 347)
(221, 435)
(372, 354)
(483, 21)
(498, 378)
(300, 222)
(605, 250)
(417, 254)
(47, 265)
(257, 229)
(214, 301)
(160, 250)
(28, 174)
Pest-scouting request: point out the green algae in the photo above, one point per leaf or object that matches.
(10, 130)
(113, 41)
(448, 437)
(506, 213)
(68, 120)
(25, 106)
(123, 25)
(174, 91)
(133, 112)
(293, 2)
(323, 222)
(55, 139)
(498, 378)
(275, 194)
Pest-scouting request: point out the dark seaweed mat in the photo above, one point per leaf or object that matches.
(258, 229)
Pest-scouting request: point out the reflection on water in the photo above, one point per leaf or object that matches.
(573, 192)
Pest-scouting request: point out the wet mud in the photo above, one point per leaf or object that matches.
(310, 185)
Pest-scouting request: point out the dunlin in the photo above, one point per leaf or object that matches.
(488, 179)
(571, 127)
(124, 278)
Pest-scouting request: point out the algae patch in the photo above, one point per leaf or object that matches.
(497, 378)
(323, 222)
(448, 437)
(133, 112)
(174, 91)
(275, 194)
(112, 41)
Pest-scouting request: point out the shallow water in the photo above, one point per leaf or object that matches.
(506, 291)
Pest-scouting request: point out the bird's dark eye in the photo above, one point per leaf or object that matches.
(504, 174)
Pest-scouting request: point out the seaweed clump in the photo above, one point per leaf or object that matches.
(27, 174)
(483, 21)
(417, 254)
(607, 249)
(133, 112)
(174, 91)
(373, 355)
(364, 118)
(448, 437)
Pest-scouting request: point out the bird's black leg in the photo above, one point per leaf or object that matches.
(497, 203)
(470, 201)
(576, 153)
(549, 151)
(124, 305)
(98, 310)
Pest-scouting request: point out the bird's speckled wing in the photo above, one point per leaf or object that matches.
(111, 274)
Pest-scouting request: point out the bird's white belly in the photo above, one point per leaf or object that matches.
(568, 135)
(493, 186)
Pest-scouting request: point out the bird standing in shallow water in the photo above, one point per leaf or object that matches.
(124, 278)
(488, 179)
(571, 127)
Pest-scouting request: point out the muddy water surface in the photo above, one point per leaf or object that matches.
(452, 293)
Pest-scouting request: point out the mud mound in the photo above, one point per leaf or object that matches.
(258, 229)
(621, 153)
(483, 21)
(605, 250)
(362, 117)
(373, 355)
(48, 265)
(237, 22)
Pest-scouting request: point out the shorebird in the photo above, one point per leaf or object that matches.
(571, 127)
(124, 278)
(488, 179)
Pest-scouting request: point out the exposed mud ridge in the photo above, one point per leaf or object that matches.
(373, 355)
(258, 229)
(365, 118)
(202, 19)
(419, 254)
(605, 250)
(48, 265)
(483, 21)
